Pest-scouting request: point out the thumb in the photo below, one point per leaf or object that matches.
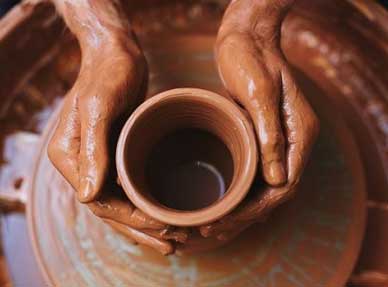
(257, 87)
(94, 152)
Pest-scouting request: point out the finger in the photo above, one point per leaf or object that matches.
(121, 210)
(162, 246)
(302, 127)
(215, 228)
(101, 112)
(263, 107)
(94, 150)
(246, 214)
(257, 88)
(176, 234)
(256, 209)
(64, 145)
(124, 212)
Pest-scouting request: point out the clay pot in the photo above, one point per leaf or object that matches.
(179, 149)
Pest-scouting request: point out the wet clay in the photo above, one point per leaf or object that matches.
(258, 77)
(307, 44)
(189, 169)
(274, 251)
(180, 131)
(111, 81)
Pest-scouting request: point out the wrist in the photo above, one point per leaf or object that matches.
(96, 24)
(111, 45)
(261, 18)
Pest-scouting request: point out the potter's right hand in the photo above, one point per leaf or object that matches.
(257, 75)
(112, 74)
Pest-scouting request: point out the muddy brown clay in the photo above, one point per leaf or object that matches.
(112, 76)
(210, 143)
(343, 64)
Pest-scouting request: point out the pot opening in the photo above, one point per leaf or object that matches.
(186, 152)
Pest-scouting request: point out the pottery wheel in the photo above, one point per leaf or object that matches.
(313, 240)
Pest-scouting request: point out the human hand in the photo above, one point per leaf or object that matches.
(111, 82)
(257, 75)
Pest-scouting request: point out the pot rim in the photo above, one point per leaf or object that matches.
(220, 207)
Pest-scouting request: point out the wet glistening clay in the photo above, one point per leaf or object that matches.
(112, 81)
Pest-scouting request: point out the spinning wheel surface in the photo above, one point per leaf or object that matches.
(313, 240)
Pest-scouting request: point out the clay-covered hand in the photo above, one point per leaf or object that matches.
(110, 83)
(116, 210)
(257, 75)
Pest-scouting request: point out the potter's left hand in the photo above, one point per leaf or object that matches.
(109, 85)
(257, 75)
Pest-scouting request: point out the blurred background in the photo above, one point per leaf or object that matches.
(5, 5)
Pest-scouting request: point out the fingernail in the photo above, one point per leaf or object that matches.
(277, 174)
(86, 191)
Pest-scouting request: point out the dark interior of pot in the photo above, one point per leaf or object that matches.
(182, 153)
(204, 176)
